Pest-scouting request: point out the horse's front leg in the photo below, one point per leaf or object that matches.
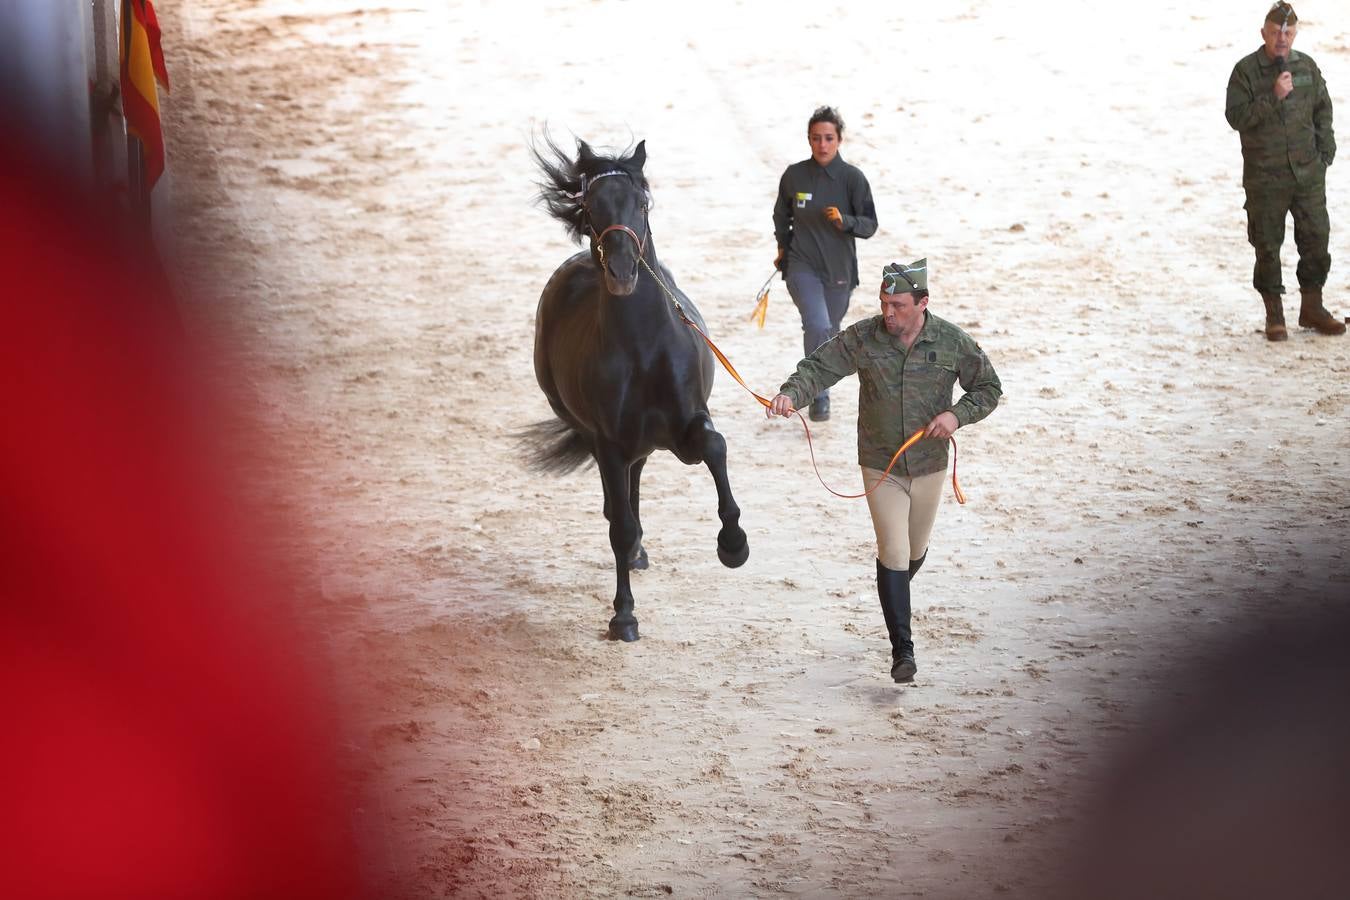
(623, 535)
(638, 558)
(703, 442)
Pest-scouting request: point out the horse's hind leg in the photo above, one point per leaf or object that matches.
(623, 536)
(705, 443)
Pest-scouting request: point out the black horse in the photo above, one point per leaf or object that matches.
(621, 368)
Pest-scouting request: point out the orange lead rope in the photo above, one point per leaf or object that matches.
(956, 487)
(913, 438)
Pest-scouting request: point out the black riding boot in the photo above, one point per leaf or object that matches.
(916, 564)
(893, 589)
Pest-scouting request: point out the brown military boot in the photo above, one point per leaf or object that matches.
(1275, 330)
(1314, 315)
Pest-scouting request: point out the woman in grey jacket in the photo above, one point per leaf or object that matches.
(823, 205)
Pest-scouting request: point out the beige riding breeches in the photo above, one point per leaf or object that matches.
(903, 511)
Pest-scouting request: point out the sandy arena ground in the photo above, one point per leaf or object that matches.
(361, 175)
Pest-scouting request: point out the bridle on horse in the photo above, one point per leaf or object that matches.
(597, 239)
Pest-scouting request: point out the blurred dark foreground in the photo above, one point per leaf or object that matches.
(1240, 786)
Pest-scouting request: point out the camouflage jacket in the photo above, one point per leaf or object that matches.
(1281, 136)
(901, 391)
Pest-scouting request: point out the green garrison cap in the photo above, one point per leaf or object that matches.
(1282, 14)
(898, 278)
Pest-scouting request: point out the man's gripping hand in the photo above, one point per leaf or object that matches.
(781, 406)
(942, 426)
(1284, 85)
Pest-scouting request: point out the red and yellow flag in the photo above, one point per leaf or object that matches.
(142, 65)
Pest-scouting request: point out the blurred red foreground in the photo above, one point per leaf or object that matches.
(163, 732)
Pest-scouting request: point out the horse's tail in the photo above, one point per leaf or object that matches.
(554, 446)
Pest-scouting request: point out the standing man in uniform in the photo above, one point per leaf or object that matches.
(908, 361)
(1279, 105)
(823, 205)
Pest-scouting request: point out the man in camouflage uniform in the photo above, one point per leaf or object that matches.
(907, 361)
(1279, 105)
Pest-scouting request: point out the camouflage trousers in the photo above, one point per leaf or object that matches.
(1267, 206)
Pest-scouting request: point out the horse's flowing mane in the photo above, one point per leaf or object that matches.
(560, 188)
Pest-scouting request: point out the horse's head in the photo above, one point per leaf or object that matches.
(604, 198)
(614, 201)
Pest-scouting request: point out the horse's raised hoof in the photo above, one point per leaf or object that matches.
(734, 559)
(623, 631)
(639, 561)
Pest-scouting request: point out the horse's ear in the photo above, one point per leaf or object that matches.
(584, 151)
(640, 154)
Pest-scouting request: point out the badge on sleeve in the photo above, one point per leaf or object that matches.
(802, 199)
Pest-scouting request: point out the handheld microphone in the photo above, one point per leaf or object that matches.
(1281, 64)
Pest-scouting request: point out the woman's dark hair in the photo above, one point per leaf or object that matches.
(827, 114)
